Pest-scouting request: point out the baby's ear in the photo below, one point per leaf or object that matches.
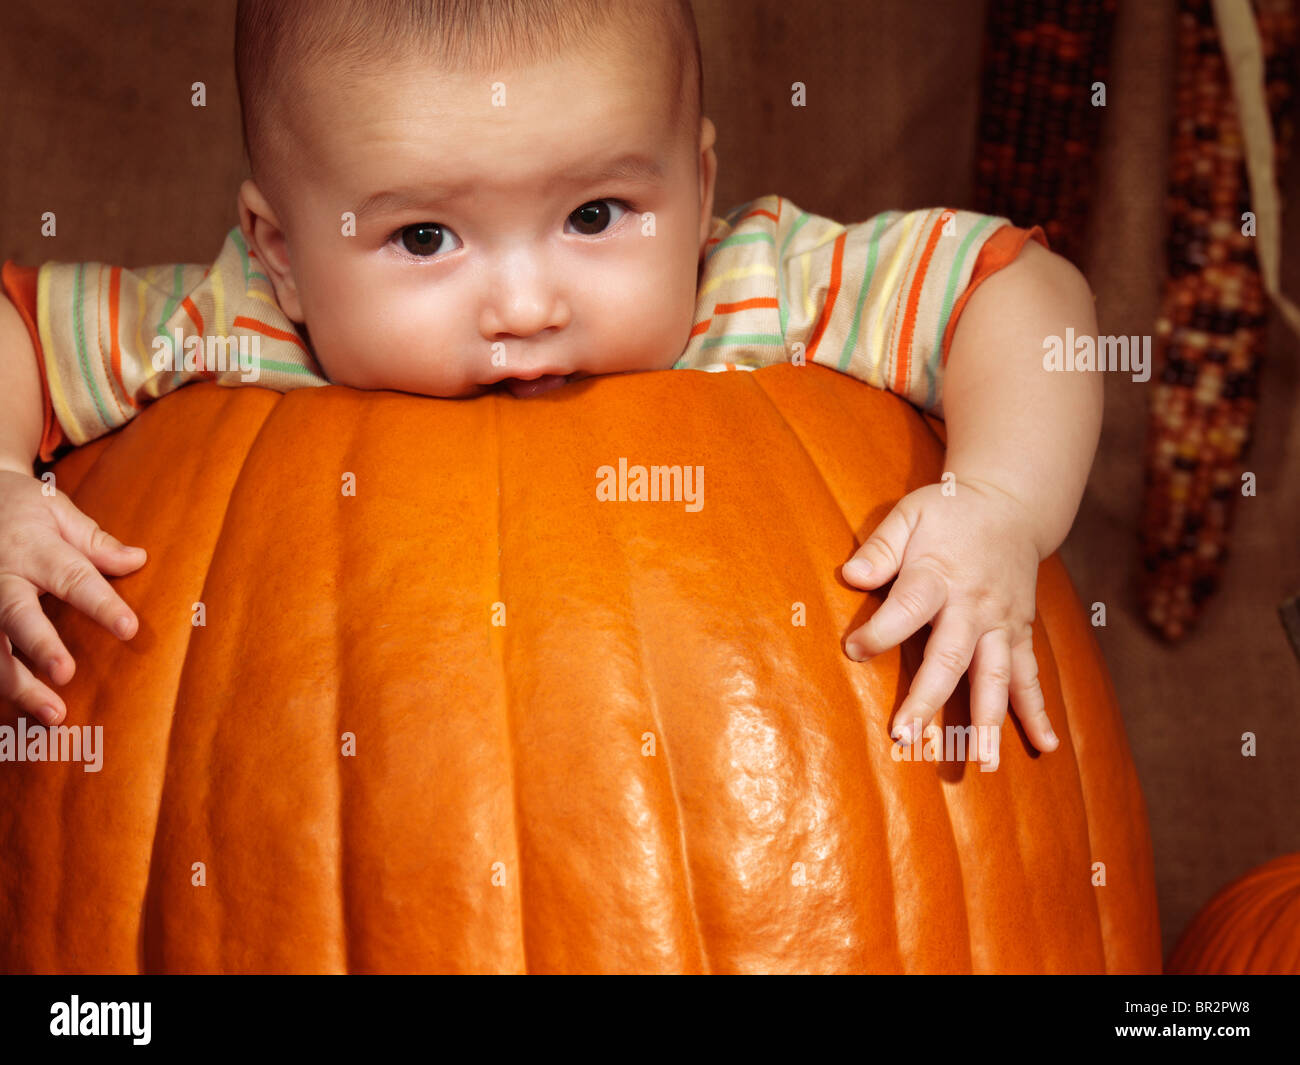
(708, 177)
(266, 242)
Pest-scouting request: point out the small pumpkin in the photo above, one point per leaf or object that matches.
(449, 710)
(1251, 927)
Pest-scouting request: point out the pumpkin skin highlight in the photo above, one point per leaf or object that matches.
(647, 768)
(1251, 927)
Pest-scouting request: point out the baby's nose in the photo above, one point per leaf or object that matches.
(523, 304)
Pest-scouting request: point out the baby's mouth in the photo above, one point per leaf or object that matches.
(521, 389)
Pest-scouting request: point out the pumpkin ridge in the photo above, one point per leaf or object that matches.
(967, 893)
(1065, 628)
(151, 885)
(877, 781)
(845, 674)
(1044, 649)
(649, 691)
(1044, 652)
(897, 860)
(511, 737)
(340, 778)
(1143, 857)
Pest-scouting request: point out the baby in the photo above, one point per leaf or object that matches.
(453, 199)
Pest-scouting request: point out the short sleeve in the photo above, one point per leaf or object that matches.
(112, 340)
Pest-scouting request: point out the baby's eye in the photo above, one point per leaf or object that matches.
(593, 217)
(423, 239)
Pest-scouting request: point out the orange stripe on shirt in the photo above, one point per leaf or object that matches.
(197, 319)
(268, 330)
(903, 364)
(115, 348)
(701, 327)
(744, 305)
(828, 305)
(193, 312)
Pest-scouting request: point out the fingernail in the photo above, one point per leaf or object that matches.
(47, 714)
(1051, 735)
(122, 627)
(903, 735)
(858, 569)
(857, 652)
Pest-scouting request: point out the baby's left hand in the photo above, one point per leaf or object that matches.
(969, 561)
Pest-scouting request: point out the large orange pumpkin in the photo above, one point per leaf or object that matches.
(353, 766)
(1250, 928)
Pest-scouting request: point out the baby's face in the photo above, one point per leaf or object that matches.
(493, 244)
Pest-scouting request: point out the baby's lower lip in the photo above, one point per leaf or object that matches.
(523, 389)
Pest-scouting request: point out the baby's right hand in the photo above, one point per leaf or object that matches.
(48, 545)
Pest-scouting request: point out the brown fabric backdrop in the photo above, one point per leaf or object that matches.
(98, 127)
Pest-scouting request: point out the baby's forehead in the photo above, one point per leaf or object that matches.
(417, 85)
(438, 137)
(362, 40)
(647, 66)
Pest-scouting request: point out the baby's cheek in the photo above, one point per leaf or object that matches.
(343, 353)
(656, 314)
(364, 347)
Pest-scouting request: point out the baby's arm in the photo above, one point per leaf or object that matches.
(1020, 444)
(20, 392)
(1011, 423)
(46, 543)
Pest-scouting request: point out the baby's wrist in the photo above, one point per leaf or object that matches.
(997, 484)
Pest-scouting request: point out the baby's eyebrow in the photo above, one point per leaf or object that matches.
(630, 167)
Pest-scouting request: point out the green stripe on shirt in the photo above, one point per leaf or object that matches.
(83, 354)
(873, 248)
(949, 295)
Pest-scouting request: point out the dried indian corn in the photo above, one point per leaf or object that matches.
(1209, 340)
(1038, 127)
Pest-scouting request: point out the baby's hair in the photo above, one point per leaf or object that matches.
(274, 38)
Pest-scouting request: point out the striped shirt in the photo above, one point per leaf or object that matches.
(877, 299)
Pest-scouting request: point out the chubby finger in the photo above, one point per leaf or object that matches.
(948, 653)
(917, 595)
(28, 629)
(104, 550)
(1027, 695)
(990, 682)
(881, 554)
(64, 572)
(27, 693)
